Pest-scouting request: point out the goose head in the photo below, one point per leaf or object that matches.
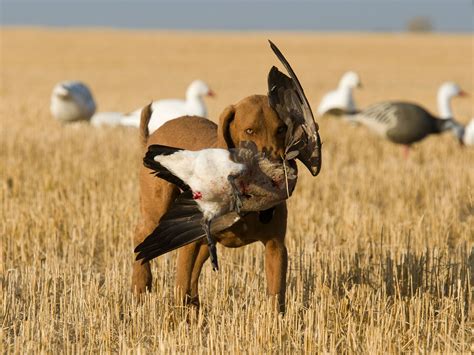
(446, 92)
(350, 80)
(198, 89)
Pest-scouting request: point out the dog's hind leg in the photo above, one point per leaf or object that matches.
(202, 256)
(141, 273)
(184, 268)
(153, 205)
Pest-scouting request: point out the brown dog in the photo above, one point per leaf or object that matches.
(250, 119)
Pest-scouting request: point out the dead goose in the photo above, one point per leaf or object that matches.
(214, 182)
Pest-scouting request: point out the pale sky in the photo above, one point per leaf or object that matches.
(317, 15)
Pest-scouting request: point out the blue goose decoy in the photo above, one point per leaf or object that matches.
(407, 123)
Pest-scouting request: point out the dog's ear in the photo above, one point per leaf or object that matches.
(224, 137)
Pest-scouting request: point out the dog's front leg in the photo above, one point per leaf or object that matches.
(276, 264)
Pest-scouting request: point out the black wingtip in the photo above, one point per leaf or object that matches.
(287, 66)
(180, 225)
(158, 169)
(274, 47)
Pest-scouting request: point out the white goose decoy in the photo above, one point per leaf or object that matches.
(193, 105)
(168, 109)
(407, 123)
(113, 119)
(468, 137)
(341, 99)
(163, 110)
(72, 101)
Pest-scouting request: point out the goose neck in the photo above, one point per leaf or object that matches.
(444, 105)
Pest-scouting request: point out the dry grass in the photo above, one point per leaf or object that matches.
(380, 248)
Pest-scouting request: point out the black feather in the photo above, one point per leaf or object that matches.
(180, 225)
(158, 169)
(284, 99)
(296, 82)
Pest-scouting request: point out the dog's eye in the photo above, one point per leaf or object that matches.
(249, 131)
(281, 129)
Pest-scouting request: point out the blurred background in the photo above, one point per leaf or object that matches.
(316, 15)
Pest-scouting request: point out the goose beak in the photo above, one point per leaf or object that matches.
(360, 86)
(462, 93)
(211, 93)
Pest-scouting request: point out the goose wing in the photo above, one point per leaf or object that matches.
(179, 226)
(287, 98)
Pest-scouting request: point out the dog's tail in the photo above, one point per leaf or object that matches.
(144, 120)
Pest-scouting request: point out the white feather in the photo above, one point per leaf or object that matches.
(205, 171)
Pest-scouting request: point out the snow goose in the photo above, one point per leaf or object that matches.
(72, 101)
(341, 100)
(214, 182)
(407, 123)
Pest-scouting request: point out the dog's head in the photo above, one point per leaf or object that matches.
(252, 119)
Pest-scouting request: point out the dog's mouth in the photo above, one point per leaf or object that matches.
(292, 163)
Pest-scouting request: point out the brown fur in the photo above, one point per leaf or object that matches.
(156, 195)
(144, 120)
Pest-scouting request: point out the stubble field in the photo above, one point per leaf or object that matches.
(380, 248)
